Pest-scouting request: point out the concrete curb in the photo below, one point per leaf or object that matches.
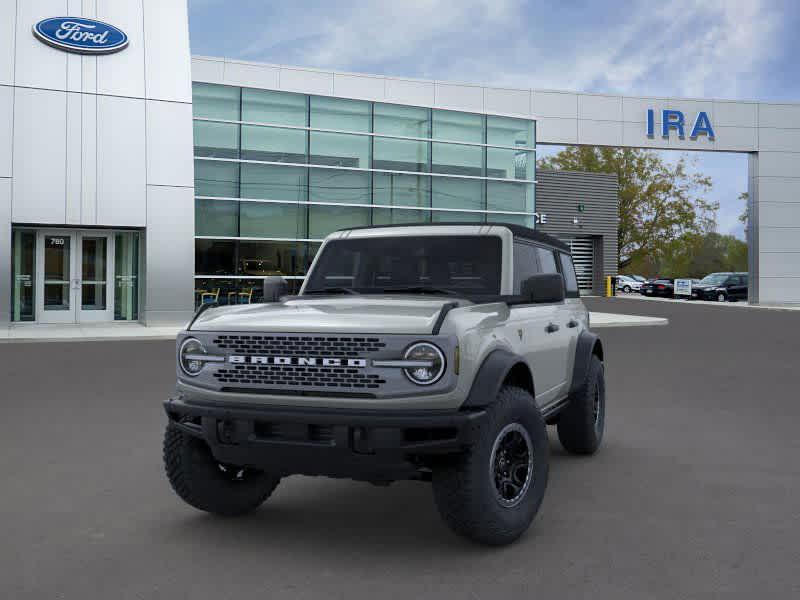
(599, 320)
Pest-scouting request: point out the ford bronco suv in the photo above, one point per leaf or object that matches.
(429, 352)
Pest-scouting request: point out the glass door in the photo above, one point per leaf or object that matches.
(56, 277)
(73, 276)
(95, 274)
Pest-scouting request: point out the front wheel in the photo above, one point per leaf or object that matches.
(627, 289)
(206, 484)
(721, 297)
(492, 492)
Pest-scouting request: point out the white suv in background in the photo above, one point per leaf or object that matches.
(627, 284)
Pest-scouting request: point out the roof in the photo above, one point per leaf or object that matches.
(518, 231)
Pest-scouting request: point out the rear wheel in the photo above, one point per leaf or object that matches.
(492, 492)
(582, 423)
(206, 484)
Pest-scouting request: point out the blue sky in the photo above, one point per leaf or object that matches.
(740, 49)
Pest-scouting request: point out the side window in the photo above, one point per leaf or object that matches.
(525, 264)
(547, 260)
(568, 270)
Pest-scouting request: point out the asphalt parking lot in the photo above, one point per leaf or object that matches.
(694, 494)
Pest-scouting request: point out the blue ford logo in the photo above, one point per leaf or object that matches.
(76, 34)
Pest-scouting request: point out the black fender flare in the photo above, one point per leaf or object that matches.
(490, 377)
(589, 344)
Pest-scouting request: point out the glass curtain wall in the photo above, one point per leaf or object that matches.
(275, 172)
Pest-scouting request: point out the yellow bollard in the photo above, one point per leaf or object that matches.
(608, 287)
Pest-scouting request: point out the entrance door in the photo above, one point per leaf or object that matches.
(73, 271)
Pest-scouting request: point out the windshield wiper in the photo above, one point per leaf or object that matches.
(420, 289)
(332, 290)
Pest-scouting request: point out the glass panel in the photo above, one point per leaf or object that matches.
(273, 144)
(457, 159)
(400, 155)
(337, 113)
(93, 273)
(214, 257)
(260, 219)
(506, 195)
(268, 258)
(23, 259)
(216, 217)
(457, 126)
(273, 182)
(214, 178)
(323, 220)
(524, 220)
(448, 216)
(126, 276)
(56, 272)
(402, 190)
(507, 131)
(334, 185)
(220, 140)
(394, 216)
(509, 164)
(215, 101)
(339, 150)
(407, 121)
(457, 193)
(281, 108)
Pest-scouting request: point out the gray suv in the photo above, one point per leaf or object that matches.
(430, 352)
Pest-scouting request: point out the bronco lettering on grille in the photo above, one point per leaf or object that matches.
(297, 361)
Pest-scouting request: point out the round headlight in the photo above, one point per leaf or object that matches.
(191, 356)
(431, 363)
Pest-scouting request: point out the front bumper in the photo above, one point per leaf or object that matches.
(357, 444)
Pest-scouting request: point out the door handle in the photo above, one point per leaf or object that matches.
(572, 323)
(551, 328)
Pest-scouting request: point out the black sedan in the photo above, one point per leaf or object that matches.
(662, 288)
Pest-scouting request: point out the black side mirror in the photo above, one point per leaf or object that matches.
(275, 287)
(543, 287)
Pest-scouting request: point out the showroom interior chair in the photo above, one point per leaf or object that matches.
(210, 297)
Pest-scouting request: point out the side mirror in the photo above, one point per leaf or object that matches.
(543, 287)
(275, 287)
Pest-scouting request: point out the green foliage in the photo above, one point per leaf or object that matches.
(661, 204)
(694, 255)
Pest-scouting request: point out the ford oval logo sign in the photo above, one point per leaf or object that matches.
(76, 34)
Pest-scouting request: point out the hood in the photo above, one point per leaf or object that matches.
(339, 314)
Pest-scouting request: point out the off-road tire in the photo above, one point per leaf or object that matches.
(580, 428)
(464, 486)
(203, 483)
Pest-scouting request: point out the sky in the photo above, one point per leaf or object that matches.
(732, 49)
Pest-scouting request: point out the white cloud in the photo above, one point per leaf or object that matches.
(687, 47)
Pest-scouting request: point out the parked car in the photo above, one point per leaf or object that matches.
(628, 284)
(639, 278)
(721, 287)
(663, 288)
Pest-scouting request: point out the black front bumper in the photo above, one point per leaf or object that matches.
(368, 445)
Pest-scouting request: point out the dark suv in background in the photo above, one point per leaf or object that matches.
(721, 287)
(663, 288)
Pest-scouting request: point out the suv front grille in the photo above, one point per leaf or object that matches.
(294, 345)
(278, 375)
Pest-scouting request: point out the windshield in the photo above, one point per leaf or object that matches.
(714, 279)
(460, 265)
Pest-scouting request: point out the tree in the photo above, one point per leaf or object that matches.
(659, 202)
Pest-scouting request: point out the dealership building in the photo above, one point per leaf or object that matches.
(137, 181)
